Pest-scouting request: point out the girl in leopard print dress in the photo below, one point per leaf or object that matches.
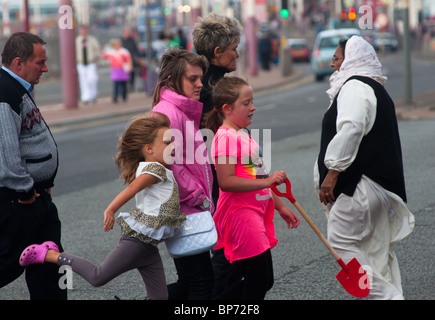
(141, 158)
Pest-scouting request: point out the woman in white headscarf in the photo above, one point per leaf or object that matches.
(359, 172)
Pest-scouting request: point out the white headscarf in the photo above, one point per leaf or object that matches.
(360, 59)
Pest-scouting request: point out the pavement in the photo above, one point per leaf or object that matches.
(60, 118)
(422, 106)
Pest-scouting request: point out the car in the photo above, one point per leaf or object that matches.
(324, 48)
(384, 40)
(299, 50)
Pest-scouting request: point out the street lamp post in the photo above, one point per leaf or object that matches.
(26, 23)
(407, 54)
(67, 46)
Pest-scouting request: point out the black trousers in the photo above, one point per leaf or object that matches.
(225, 273)
(20, 226)
(257, 278)
(195, 278)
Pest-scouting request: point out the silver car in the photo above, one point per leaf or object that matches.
(324, 47)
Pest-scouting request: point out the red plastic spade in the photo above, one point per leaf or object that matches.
(352, 276)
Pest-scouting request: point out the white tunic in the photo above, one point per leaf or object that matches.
(368, 224)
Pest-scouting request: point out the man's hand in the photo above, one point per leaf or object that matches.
(31, 200)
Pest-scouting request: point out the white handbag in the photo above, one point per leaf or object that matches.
(196, 235)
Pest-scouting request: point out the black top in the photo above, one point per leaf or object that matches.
(379, 155)
(213, 75)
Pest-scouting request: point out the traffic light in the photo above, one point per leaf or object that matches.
(352, 14)
(284, 9)
(343, 15)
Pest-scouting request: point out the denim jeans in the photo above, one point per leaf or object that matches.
(117, 87)
(195, 278)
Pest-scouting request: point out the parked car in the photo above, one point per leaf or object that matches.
(384, 40)
(381, 40)
(299, 50)
(324, 47)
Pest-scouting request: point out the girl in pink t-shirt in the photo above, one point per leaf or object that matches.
(246, 205)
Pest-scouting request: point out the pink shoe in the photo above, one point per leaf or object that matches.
(36, 253)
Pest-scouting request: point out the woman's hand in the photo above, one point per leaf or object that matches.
(326, 194)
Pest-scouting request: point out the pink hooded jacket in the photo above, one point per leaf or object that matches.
(189, 168)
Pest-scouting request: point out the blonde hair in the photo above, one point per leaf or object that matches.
(214, 31)
(140, 132)
(173, 67)
(115, 43)
(226, 91)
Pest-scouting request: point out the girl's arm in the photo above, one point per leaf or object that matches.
(229, 182)
(138, 184)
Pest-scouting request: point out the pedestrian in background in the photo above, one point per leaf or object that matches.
(246, 206)
(265, 50)
(182, 39)
(29, 163)
(141, 161)
(176, 95)
(217, 37)
(120, 67)
(160, 45)
(88, 53)
(359, 170)
(129, 42)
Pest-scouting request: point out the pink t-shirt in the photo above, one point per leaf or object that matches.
(117, 58)
(244, 220)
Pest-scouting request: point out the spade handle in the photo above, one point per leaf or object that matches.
(316, 230)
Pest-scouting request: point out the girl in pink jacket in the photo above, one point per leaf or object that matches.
(176, 95)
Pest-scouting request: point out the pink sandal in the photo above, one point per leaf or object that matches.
(36, 253)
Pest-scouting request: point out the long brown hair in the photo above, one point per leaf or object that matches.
(140, 132)
(226, 91)
(173, 66)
